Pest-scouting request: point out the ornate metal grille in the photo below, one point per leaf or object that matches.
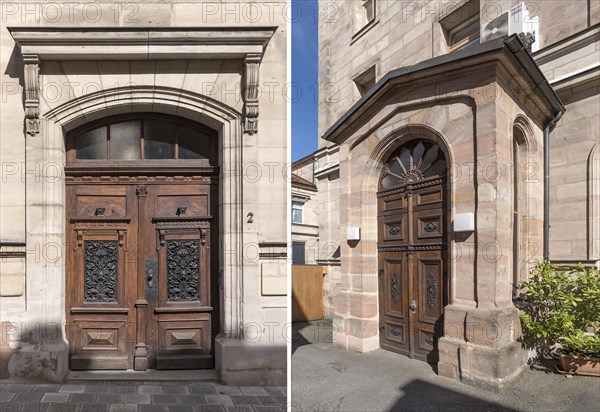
(183, 270)
(431, 290)
(395, 287)
(412, 162)
(100, 270)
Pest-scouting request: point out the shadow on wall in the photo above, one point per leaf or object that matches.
(424, 396)
(32, 351)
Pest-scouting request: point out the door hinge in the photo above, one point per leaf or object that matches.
(381, 329)
(380, 271)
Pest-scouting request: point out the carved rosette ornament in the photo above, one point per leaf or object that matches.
(32, 99)
(251, 91)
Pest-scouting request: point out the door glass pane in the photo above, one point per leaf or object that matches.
(159, 139)
(91, 145)
(193, 144)
(125, 143)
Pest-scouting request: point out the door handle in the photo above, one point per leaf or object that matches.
(150, 278)
(413, 306)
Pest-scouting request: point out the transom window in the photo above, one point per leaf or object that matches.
(417, 160)
(147, 137)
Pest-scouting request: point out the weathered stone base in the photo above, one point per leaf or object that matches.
(38, 357)
(480, 348)
(243, 363)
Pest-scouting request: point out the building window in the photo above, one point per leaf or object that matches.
(297, 212)
(298, 253)
(368, 10)
(365, 81)
(462, 26)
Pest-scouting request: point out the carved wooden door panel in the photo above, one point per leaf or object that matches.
(177, 261)
(141, 205)
(102, 226)
(412, 250)
(139, 275)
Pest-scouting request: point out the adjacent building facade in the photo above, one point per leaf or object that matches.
(453, 151)
(305, 221)
(139, 226)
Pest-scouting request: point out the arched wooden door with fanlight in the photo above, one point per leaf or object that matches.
(412, 222)
(142, 229)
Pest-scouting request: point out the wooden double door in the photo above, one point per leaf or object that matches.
(140, 273)
(412, 252)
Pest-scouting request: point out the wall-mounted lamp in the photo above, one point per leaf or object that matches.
(464, 222)
(353, 233)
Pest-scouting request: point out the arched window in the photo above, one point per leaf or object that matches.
(144, 137)
(417, 160)
(519, 166)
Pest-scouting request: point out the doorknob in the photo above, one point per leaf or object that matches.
(150, 278)
(413, 306)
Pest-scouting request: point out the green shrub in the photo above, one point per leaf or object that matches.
(561, 310)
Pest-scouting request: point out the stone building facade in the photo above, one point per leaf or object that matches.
(139, 226)
(305, 222)
(436, 137)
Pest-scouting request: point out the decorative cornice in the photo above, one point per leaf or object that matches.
(409, 248)
(568, 45)
(113, 43)
(13, 249)
(117, 43)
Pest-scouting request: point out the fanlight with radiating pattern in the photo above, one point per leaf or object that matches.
(412, 162)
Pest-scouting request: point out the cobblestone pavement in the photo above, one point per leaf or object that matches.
(137, 396)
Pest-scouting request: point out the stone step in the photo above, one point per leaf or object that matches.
(203, 375)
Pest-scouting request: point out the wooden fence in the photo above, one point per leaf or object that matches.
(307, 293)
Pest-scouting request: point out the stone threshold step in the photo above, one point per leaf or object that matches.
(200, 375)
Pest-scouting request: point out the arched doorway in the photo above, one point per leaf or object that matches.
(412, 249)
(142, 230)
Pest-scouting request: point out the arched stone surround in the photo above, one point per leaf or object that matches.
(45, 200)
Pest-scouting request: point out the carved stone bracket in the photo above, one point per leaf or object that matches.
(251, 72)
(32, 89)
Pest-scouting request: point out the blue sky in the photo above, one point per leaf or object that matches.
(305, 78)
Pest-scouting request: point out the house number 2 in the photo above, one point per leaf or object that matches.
(250, 217)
